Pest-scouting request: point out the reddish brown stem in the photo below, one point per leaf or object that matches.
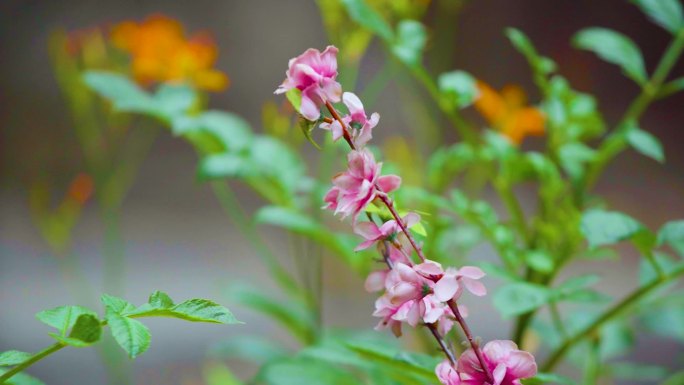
(442, 344)
(473, 344)
(345, 130)
(397, 218)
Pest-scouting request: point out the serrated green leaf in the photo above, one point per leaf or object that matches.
(230, 130)
(116, 304)
(160, 300)
(13, 357)
(646, 144)
(520, 297)
(130, 334)
(459, 87)
(601, 227)
(63, 318)
(193, 310)
(368, 18)
(666, 13)
(672, 234)
(86, 331)
(124, 94)
(614, 48)
(410, 41)
(523, 44)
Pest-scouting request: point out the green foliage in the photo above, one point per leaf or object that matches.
(646, 144)
(540, 64)
(666, 13)
(520, 297)
(458, 87)
(21, 379)
(86, 331)
(607, 227)
(13, 357)
(130, 334)
(548, 378)
(410, 41)
(672, 234)
(368, 18)
(253, 348)
(63, 318)
(614, 48)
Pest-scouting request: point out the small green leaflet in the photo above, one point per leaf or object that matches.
(615, 48)
(410, 41)
(645, 143)
(607, 227)
(459, 88)
(672, 233)
(85, 332)
(520, 297)
(63, 318)
(130, 334)
(666, 13)
(368, 18)
(13, 357)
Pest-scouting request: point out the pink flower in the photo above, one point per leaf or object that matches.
(372, 233)
(387, 311)
(450, 286)
(507, 364)
(446, 373)
(361, 126)
(355, 188)
(403, 284)
(314, 74)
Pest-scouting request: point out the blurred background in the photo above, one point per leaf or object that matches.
(177, 240)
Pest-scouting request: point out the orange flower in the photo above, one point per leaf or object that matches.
(161, 53)
(506, 112)
(81, 188)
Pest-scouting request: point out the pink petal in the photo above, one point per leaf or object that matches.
(389, 183)
(329, 60)
(446, 288)
(498, 350)
(469, 364)
(499, 373)
(368, 230)
(331, 90)
(411, 219)
(471, 272)
(375, 281)
(521, 364)
(429, 268)
(475, 287)
(310, 107)
(353, 103)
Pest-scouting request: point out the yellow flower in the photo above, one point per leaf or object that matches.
(506, 111)
(160, 52)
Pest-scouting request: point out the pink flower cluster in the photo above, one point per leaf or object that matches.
(506, 363)
(416, 294)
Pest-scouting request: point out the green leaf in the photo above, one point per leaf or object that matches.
(307, 128)
(13, 357)
(614, 48)
(574, 156)
(520, 297)
(459, 87)
(607, 227)
(225, 165)
(633, 371)
(665, 321)
(124, 94)
(130, 334)
(421, 366)
(21, 379)
(294, 96)
(575, 290)
(86, 331)
(368, 18)
(160, 300)
(304, 371)
(174, 99)
(523, 44)
(646, 144)
(290, 219)
(539, 260)
(666, 13)
(116, 304)
(193, 310)
(292, 315)
(63, 318)
(548, 378)
(410, 41)
(672, 234)
(671, 87)
(617, 338)
(230, 130)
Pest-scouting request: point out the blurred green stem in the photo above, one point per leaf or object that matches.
(231, 206)
(617, 140)
(615, 311)
(592, 368)
(34, 358)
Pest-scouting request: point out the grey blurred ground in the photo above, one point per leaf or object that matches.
(177, 240)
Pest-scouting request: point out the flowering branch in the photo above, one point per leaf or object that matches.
(417, 294)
